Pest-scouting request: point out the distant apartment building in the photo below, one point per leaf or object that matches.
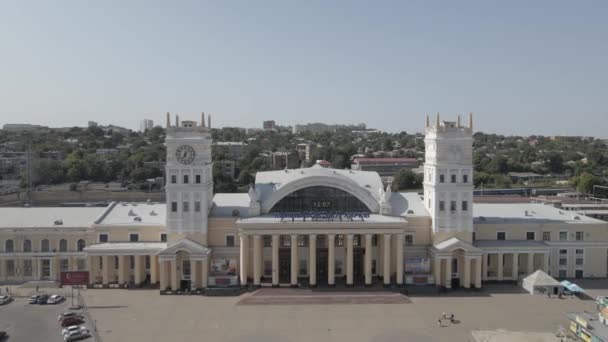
(104, 151)
(269, 125)
(384, 166)
(92, 124)
(285, 160)
(321, 128)
(305, 151)
(146, 124)
(22, 127)
(232, 150)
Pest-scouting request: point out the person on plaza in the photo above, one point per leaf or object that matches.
(36, 288)
(439, 322)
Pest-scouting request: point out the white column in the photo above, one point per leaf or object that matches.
(530, 263)
(174, 275)
(448, 273)
(368, 259)
(500, 267)
(138, 269)
(257, 259)
(275, 260)
(349, 259)
(312, 260)
(437, 270)
(515, 267)
(294, 261)
(467, 272)
(484, 266)
(478, 267)
(399, 258)
(105, 272)
(331, 260)
(386, 246)
(244, 253)
(122, 269)
(546, 262)
(164, 276)
(194, 276)
(153, 269)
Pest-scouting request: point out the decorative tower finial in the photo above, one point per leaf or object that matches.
(168, 120)
(209, 121)
(176, 120)
(437, 121)
(458, 123)
(471, 120)
(427, 121)
(203, 119)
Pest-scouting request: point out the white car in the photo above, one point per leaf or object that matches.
(76, 335)
(68, 314)
(5, 299)
(55, 299)
(73, 328)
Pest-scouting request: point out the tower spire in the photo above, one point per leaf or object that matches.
(458, 123)
(437, 121)
(203, 119)
(471, 120)
(176, 120)
(168, 120)
(427, 121)
(209, 121)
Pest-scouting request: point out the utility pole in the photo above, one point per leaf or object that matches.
(28, 154)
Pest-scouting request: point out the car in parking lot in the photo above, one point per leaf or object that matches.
(5, 299)
(33, 299)
(72, 328)
(69, 314)
(55, 299)
(76, 335)
(3, 335)
(42, 299)
(66, 322)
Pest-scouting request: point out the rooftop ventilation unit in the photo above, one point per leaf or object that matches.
(137, 219)
(131, 213)
(58, 222)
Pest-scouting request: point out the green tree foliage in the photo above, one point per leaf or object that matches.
(406, 179)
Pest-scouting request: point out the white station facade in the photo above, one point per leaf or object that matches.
(304, 227)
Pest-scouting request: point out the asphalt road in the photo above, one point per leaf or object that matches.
(31, 322)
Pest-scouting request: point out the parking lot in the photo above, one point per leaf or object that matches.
(32, 322)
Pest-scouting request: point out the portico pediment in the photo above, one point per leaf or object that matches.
(194, 249)
(451, 245)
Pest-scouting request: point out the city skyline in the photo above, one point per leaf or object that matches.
(521, 68)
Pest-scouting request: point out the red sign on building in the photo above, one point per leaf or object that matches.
(75, 278)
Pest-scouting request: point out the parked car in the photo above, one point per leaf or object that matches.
(76, 335)
(73, 328)
(66, 322)
(34, 299)
(68, 314)
(55, 299)
(5, 299)
(3, 335)
(42, 299)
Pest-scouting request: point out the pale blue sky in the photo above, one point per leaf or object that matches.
(521, 66)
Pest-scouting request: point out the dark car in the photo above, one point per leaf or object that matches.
(42, 299)
(34, 299)
(66, 322)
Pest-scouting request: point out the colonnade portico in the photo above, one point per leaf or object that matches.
(511, 265)
(364, 239)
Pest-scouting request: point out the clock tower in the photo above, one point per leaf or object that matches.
(189, 183)
(448, 178)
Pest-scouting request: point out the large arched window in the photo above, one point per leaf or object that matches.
(80, 245)
(44, 245)
(63, 245)
(27, 245)
(319, 198)
(9, 246)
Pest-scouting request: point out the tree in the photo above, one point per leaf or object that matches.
(584, 182)
(406, 179)
(555, 163)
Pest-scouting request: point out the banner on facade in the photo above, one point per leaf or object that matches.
(74, 278)
(223, 266)
(417, 265)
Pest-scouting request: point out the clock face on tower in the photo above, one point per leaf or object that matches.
(185, 154)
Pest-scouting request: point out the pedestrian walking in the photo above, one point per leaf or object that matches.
(36, 288)
(439, 322)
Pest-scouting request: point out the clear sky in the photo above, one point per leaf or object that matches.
(522, 67)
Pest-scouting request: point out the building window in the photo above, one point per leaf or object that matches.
(267, 267)
(563, 257)
(267, 240)
(27, 246)
(186, 267)
(10, 268)
(302, 240)
(185, 206)
(452, 206)
(409, 239)
(63, 245)
(163, 237)
(465, 178)
(465, 205)
(116, 262)
(197, 206)
(133, 237)
(27, 268)
(174, 207)
(197, 179)
(453, 179)
(147, 261)
(45, 246)
(356, 240)
(374, 240)
(563, 236)
(103, 238)
(501, 235)
(580, 257)
(186, 179)
(81, 264)
(441, 179)
(100, 263)
(530, 236)
(338, 266)
(473, 236)
(64, 265)
(441, 205)
(9, 246)
(131, 261)
(173, 179)
(580, 236)
(546, 236)
(303, 267)
(230, 241)
(339, 240)
(321, 241)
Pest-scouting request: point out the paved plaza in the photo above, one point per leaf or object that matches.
(143, 315)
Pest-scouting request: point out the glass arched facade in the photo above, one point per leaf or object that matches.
(319, 198)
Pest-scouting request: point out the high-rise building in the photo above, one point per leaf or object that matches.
(269, 125)
(146, 124)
